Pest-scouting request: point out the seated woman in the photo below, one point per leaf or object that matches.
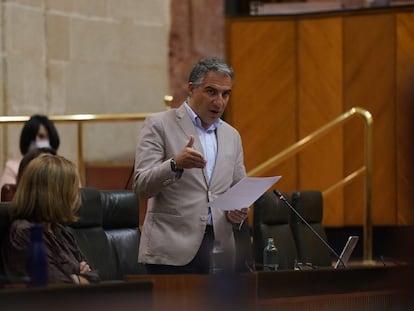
(8, 190)
(38, 132)
(47, 193)
(29, 156)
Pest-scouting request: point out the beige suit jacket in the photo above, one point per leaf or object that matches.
(177, 208)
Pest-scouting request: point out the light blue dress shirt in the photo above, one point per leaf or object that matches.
(208, 140)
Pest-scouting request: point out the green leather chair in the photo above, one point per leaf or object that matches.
(310, 249)
(271, 219)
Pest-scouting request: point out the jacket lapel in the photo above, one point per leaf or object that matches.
(220, 154)
(186, 124)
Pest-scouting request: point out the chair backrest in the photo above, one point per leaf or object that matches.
(7, 192)
(107, 231)
(309, 204)
(4, 227)
(91, 237)
(244, 248)
(271, 219)
(121, 226)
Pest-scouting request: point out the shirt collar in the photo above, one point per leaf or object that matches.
(197, 121)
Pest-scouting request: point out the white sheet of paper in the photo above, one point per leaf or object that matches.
(244, 193)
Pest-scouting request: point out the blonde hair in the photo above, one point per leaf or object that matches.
(48, 191)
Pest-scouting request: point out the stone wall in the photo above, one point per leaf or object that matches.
(83, 56)
(100, 56)
(197, 31)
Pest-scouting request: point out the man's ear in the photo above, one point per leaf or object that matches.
(191, 87)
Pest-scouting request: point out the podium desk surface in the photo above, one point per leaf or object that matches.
(259, 290)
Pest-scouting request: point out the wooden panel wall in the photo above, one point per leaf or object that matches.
(295, 74)
(404, 117)
(263, 106)
(320, 100)
(369, 82)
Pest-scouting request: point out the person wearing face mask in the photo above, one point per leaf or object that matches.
(37, 132)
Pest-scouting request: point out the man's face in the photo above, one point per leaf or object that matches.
(209, 99)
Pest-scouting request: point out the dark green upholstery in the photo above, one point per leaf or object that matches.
(271, 219)
(309, 203)
(108, 232)
(4, 227)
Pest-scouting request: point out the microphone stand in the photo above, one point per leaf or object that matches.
(282, 198)
(130, 176)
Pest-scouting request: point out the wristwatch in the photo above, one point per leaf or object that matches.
(178, 171)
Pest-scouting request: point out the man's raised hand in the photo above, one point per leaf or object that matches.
(189, 157)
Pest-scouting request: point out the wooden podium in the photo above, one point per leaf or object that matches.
(359, 288)
(329, 289)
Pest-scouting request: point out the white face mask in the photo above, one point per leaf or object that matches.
(44, 143)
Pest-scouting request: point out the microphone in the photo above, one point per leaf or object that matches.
(282, 198)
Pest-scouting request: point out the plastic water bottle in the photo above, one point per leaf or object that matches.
(37, 258)
(255, 7)
(296, 265)
(270, 256)
(217, 259)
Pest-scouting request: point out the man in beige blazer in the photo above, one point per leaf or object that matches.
(185, 158)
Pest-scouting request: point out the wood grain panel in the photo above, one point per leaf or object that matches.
(320, 101)
(404, 115)
(369, 82)
(263, 105)
(295, 73)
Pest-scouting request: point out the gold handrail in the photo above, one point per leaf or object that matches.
(283, 155)
(79, 119)
(367, 168)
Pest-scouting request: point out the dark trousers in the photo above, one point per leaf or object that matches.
(200, 263)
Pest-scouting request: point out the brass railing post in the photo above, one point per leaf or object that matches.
(81, 164)
(368, 234)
